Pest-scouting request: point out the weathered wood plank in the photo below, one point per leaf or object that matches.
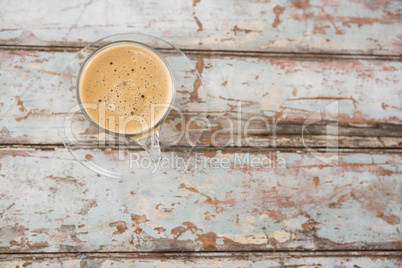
(234, 259)
(368, 27)
(284, 91)
(294, 203)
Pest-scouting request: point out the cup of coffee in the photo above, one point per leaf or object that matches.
(126, 89)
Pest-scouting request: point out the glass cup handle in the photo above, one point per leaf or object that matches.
(151, 144)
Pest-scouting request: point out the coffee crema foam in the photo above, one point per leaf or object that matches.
(131, 86)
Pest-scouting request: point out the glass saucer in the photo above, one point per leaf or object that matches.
(114, 156)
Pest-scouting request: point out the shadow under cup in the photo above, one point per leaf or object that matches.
(148, 137)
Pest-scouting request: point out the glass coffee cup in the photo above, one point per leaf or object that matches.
(126, 89)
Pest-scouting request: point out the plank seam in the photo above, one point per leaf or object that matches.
(303, 253)
(384, 150)
(232, 53)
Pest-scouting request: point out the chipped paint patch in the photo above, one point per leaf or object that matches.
(278, 10)
(13, 264)
(273, 99)
(395, 239)
(255, 239)
(280, 236)
(252, 25)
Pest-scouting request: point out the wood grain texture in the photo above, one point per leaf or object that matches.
(278, 60)
(363, 27)
(234, 259)
(283, 91)
(51, 203)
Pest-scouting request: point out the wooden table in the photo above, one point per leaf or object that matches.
(280, 60)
